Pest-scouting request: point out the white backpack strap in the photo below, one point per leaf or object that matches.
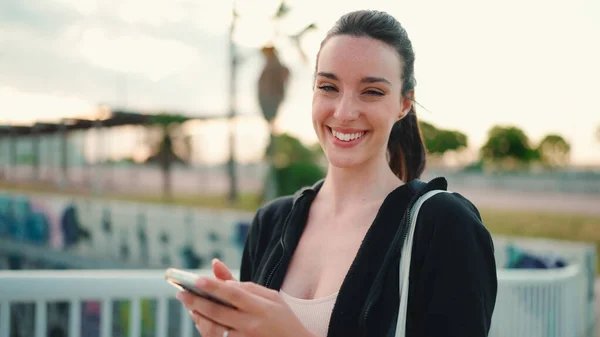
(405, 262)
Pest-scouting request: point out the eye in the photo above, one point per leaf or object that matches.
(374, 92)
(327, 87)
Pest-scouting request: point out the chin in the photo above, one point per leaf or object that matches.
(341, 161)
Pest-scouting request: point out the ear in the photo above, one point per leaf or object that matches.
(406, 103)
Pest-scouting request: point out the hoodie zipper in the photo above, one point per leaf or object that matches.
(396, 247)
(285, 227)
(282, 243)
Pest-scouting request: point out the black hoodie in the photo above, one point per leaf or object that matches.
(453, 281)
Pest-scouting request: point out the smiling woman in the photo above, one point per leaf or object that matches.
(326, 260)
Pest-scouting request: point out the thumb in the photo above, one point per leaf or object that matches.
(221, 271)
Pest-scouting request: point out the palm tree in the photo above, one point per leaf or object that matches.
(272, 85)
(169, 145)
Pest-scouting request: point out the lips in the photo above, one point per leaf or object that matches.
(347, 137)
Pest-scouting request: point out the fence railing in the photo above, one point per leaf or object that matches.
(538, 303)
(141, 303)
(94, 299)
(580, 254)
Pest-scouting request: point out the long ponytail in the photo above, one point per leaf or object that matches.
(407, 155)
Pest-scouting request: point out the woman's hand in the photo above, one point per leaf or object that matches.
(221, 271)
(261, 312)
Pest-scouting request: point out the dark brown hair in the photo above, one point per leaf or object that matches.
(406, 150)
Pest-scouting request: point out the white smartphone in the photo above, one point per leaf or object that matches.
(184, 280)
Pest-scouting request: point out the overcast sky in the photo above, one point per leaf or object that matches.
(533, 64)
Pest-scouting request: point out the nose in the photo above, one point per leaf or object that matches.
(346, 109)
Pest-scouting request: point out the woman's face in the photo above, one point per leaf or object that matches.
(357, 99)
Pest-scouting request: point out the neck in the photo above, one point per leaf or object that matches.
(351, 187)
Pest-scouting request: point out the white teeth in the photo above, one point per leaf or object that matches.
(347, 136)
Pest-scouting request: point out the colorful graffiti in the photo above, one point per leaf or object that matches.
(40, 222)
(134, 232)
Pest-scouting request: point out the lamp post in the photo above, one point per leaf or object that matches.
(233, 63)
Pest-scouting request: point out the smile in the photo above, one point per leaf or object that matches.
(347, 137)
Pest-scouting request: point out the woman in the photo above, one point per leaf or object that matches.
(324, 262)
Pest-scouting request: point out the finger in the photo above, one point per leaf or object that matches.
(231, 292)
(221, 271)
(259, 290)
(209, 328)
(216, 313)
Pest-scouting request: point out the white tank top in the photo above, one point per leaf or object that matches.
(314, 314)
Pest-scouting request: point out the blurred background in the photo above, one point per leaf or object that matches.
(139, 135)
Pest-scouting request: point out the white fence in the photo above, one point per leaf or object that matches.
(574, 253)
(530, 303)
(538, 303)
(105, 287)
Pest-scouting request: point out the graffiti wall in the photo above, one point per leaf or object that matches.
(143, 235)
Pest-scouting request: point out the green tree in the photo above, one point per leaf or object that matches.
(508, 144)
(439, 141)
(293, 177)
(317, 151)
(272, 85)
(170, 146)
(291, 150)
(295, 165)
(554, 151)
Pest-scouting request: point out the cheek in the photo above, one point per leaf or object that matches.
(320, 110)
(392, 112)
(383, 119)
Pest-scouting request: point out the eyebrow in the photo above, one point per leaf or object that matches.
(368, 79)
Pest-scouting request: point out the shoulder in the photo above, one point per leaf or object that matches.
(274, 211)
(451, 236)
(453, 268)
(270, 218)
(267, 222)
(449, 206)
(450, 219)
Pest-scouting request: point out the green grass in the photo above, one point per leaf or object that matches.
(561, 226)
(246, 201)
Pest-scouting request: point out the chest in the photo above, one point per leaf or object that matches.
(325, 253)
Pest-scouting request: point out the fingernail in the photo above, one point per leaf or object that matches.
(215, 260)
(179, 296)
